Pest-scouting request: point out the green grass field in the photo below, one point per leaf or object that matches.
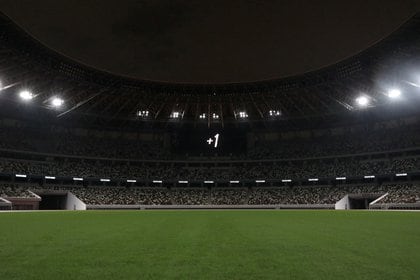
(210, 245)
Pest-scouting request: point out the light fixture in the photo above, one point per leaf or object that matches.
(274, 113)
(26, 95)
(57, 102)
(362, 101)
(243, 114)
(143, 113)
(394, 93)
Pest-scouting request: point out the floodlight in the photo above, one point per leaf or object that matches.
(259, 181)
(286, 180)
(131, 181)
(362, 101)
(340, 178)
(208, 182)
(274, 113)
(143, 113)
(183, 182)
(157, 181)
(394, 93)
(234, 182)
(243, 114)
(401, 174)
(57, 102)
(26, 95)
(77, 179)
(105, 180)
(369, 176)
(313, 180)
(50, 177)
(20, 175)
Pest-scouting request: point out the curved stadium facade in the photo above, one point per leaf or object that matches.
(78, 138)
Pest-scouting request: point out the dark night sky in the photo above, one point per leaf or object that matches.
(209, 41)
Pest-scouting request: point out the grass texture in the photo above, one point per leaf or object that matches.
(233, 244)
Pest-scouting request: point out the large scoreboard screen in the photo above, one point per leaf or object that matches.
(209, 142)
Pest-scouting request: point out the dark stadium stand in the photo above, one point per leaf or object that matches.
(285, 196)
(304, 140)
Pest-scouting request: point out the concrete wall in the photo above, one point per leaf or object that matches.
(343, 204)
(74, 203)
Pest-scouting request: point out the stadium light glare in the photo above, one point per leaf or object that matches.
(234, 182)
(208, 182)
(57, 102)
(259, 181)
(131, 181)
(369, 176)
(202, 116)
(175, 115)
(274, 113)
(243, 114)
(26, 95)
(401, 174)
(20, 175)
(157, 181)
(143, 113)
(313, 179)
(50, 177)
(105, 180)
(362, 101)
(341, 178)
(394, 93)
(77, 179)
(183, 182)
(286, 180)
(215, 116)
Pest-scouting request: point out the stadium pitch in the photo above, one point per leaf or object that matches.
(210, 245)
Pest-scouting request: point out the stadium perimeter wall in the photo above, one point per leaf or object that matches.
(343, 204)
(74, 203)
(209, 207)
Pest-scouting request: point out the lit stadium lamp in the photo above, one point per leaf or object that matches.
(274, 113)
(313, 180)
(208, 182)
(369, 176)
(394, 93)
(105, 180)
(77, 179)
(341, 178)
(286, 180)
(401, 174)
(362, 101)
(259, 181)
(143, 113)
(243, 114)
(202, 116)
(26, 95)
(183, 182)
(215, 116)
(157, 181)
(20, 175)
(234, 182)
(50, 177)
(131, 181)
(57, 102)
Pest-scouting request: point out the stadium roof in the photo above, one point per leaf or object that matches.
(26, 64)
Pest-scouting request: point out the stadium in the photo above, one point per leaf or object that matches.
(242, 180)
